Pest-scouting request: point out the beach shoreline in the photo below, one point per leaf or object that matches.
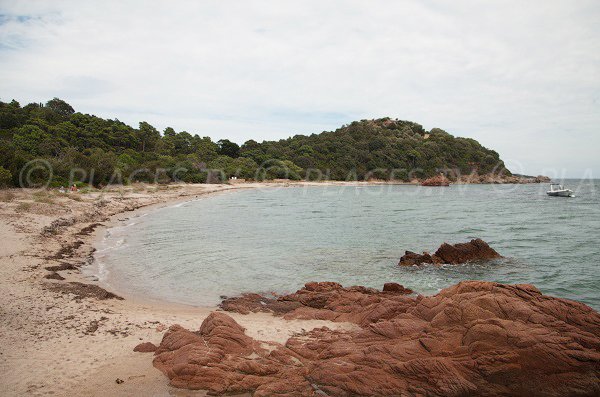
(56, 342)
(61, 338)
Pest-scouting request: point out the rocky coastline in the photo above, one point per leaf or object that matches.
(474, 338)
(63, 334)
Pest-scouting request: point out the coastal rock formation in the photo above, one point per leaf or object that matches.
(474, 250)
(474, 338)
(438, 180)
(498, 178)
(326, 301)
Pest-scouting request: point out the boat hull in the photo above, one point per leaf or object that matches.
(560, 193)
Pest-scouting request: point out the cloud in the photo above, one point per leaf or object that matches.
(523, 79)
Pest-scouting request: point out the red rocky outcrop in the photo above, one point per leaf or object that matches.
(472, 339)
(438, 180)
(474, 250)
(326, 301)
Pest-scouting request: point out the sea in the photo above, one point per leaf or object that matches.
(274, 240)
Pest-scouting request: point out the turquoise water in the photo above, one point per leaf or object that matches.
(275, 240)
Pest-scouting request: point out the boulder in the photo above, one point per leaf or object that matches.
(396, 288)
(146, 347)
(474, 250)
(412, 258)
(474, 338)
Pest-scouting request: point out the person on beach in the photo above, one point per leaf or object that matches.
(74, 188)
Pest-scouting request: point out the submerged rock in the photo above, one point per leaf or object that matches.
(474, 338)
(474, 250)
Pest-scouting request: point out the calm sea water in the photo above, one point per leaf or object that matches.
(275, 240)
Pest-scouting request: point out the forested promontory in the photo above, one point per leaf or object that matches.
(101, 151)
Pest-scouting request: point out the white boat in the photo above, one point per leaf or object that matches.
(557, 190)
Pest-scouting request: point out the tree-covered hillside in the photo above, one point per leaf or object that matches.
(373, 148)
(90, 149)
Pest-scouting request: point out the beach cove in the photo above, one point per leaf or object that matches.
(70, 339)
(74, 342)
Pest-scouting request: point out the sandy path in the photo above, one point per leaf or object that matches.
(54, 343)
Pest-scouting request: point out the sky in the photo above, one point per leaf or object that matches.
(523, 78)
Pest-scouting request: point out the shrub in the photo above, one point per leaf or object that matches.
(5, 177)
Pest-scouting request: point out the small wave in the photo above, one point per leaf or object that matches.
(110, 244)
(470, 230)
(102, 271)
(517, 228)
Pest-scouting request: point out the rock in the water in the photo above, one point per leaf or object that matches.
(146, 347)
(412, 258)
(474, 250)
(474, 338)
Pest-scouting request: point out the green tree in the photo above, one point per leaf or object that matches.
(228, 148)
(148, 137)
(31, 139)
(61, 107)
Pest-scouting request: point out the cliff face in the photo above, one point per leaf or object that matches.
(474, 338)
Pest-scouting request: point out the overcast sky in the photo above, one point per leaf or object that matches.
(523, 78)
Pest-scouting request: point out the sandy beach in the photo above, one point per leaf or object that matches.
(60, 340)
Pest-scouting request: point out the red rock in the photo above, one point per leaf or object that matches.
(438, 180)
(412, 258)
(248, 303)
(146, 347)
(474, 250)
(396, 288)
(474, 338)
